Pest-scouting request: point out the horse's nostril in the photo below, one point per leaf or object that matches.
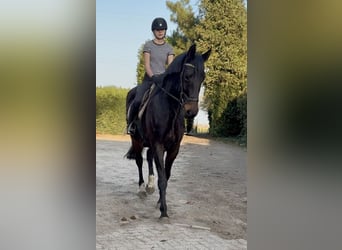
(189, 114)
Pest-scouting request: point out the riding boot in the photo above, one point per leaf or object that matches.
(131, 128)
(131, 117)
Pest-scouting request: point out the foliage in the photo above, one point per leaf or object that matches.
(110, 110)
(140, 65)
(185, 34)
(233, 121)
(223, 27)
(242, 116)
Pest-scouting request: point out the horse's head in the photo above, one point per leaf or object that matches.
(192, 76)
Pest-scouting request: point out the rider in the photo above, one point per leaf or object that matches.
(158, 54)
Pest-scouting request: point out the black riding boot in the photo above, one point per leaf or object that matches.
(131, 128)
(132, 114)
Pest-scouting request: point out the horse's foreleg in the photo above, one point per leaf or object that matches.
(150, 185)
(170, 158)
(162, 182)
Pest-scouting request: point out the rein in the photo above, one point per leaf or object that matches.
(169, 94)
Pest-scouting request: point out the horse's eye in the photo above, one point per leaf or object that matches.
(188, 75)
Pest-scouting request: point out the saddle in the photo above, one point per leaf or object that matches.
(145, 101)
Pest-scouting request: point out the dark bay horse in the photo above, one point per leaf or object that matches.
(161, 127)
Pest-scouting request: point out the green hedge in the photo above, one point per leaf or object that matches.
(110, 110)
(111, 117)
(242, 116)
(233, 120)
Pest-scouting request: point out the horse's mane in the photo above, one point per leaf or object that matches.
(169, 80)
(173, 71)
(176, 65)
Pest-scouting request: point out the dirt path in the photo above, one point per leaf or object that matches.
(207, 189)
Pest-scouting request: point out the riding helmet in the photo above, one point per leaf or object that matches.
(159, 23)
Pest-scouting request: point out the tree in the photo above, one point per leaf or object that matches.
(183, 15)
(140, 65)
(223, 27)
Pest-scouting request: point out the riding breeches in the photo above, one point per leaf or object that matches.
(141, 90)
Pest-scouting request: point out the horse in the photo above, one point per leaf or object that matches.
(161, 126)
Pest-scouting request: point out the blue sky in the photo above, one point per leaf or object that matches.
(121, 28)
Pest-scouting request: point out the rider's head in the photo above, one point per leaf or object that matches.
(159, 27)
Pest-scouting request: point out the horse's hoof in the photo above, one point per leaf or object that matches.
(150, 185)
(164, 217)
(150, 189)
(142, 191)
(142, 194)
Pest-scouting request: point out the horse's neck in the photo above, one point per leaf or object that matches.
(171, 84)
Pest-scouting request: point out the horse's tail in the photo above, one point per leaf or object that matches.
(130, 154)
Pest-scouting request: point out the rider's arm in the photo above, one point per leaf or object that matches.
(147, 65)
(170, 59)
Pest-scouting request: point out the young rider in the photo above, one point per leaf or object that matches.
(158, 54)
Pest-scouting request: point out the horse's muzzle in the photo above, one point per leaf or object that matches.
(191, 109)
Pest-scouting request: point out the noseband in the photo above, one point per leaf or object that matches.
(184, 97)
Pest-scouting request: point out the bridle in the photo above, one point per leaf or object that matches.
(184, 98)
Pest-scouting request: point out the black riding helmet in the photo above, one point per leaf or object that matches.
(159, 23)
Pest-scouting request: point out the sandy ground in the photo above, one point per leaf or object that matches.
(207, 187)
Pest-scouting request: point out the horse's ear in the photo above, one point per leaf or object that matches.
(191, 52)
(206, 55)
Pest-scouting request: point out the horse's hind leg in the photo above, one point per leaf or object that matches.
(137, 149)
(162, 182)
(135, 153)
(139, 162)
(150, 188)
